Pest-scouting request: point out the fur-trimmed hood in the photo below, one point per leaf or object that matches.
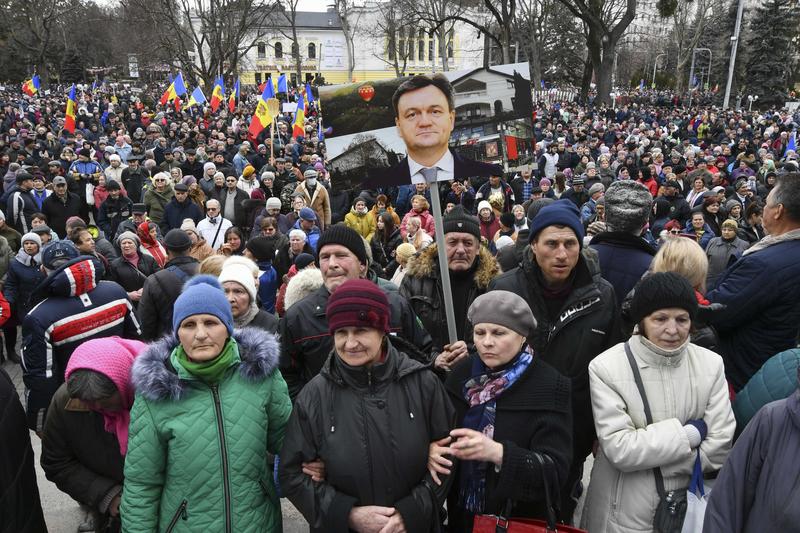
(154, 377)
(425, 265)
(301, 285)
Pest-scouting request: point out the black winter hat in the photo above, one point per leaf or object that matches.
(458, 221)
(347, 237)
(177, 240)
(261, 248)
(507, 219)
(662, 290)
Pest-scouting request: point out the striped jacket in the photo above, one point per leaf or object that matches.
(75, 307)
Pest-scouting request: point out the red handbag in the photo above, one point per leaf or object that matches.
(502, 524)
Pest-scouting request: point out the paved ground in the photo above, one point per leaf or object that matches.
(63, 514)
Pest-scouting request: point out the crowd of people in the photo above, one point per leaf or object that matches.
(208, 324)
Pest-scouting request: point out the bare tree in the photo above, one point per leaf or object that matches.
(497, 26)
(690, 19)
(349, 18)
(532, 28)
(606, 21)
(393, 21)
(432, 12)
(32, 27)
(207, 37)
(288, 13)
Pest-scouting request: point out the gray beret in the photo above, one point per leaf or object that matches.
(504, 308)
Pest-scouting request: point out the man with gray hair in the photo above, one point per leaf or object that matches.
(624, 255)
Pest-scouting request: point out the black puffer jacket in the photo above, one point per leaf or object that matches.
(131, 277)
(422, 287)
(587, 325)
(371, 427)
(159, 294)
(532, 416)
(383, 253)
(306, 342)
(20, 507)
(79, 455)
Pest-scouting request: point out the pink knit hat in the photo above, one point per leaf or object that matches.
(112, 357)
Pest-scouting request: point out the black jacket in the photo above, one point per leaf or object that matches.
(112, 212)
(159, 294)
(422, 287)
(306, 342)
(382, 254)
(58, 211)
(134, 181)
(264, 320)
(371, 427)
(78, 454)
(176, 212)
(587, 325)
(240, 213)
(624, 258)
(131, 277)
(400, 174)
(20, 507)
(532, 416)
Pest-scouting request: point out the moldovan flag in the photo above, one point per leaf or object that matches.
(269, 89)
(282, 86)
(176, 89)
(309, 94)
(217, 94)
(298, 127)
(31, 86)
(197, 97)
(69, 120)
(261, 118)
(234, 96)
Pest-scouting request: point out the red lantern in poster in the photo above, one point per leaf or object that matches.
(366, 92)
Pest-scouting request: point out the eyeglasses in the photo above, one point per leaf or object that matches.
(212, 209)
(160, 181)
(675, 231)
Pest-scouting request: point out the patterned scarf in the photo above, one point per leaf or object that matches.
(481, 392)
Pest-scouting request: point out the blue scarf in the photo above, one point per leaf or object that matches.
(481, 392)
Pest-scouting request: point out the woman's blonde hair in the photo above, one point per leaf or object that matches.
(212, 265)
(685, 257)
(425, 204)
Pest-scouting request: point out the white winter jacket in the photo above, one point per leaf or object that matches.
(691, 384)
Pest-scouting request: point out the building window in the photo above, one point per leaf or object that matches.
(278, 50)
(421, 50)
(295, 51)
(262, 50)
(431, 49)
(294, 79)
(390, 49)
(401, 48)
(312, 51)
(258, 78)
(410, 49)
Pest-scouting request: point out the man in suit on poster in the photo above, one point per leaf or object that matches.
(425, 116)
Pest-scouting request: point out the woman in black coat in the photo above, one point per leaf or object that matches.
(370, 416)
(385, 240)
(131, 268)
(513, 409)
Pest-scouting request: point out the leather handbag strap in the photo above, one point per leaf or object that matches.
(637, 377)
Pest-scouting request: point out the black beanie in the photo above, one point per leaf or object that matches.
(507, 219)
(457, 220)
(662, 290)
(347, 237)
(261, 248)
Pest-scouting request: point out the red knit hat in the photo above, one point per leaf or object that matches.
(358, 303)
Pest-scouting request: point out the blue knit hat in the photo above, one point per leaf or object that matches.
(559, 213)
(202, 295)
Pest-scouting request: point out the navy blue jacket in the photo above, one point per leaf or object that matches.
(175, 213)
(77, 307)
(624, 258)
(20, 282)
(762, 316)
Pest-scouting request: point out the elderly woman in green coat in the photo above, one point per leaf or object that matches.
(210, 403)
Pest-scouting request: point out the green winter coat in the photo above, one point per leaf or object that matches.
(197, 455)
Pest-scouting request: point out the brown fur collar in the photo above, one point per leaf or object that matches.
(425, 264)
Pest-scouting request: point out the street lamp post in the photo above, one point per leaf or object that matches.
(655, 66)
(734, 46)
(751, 99)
